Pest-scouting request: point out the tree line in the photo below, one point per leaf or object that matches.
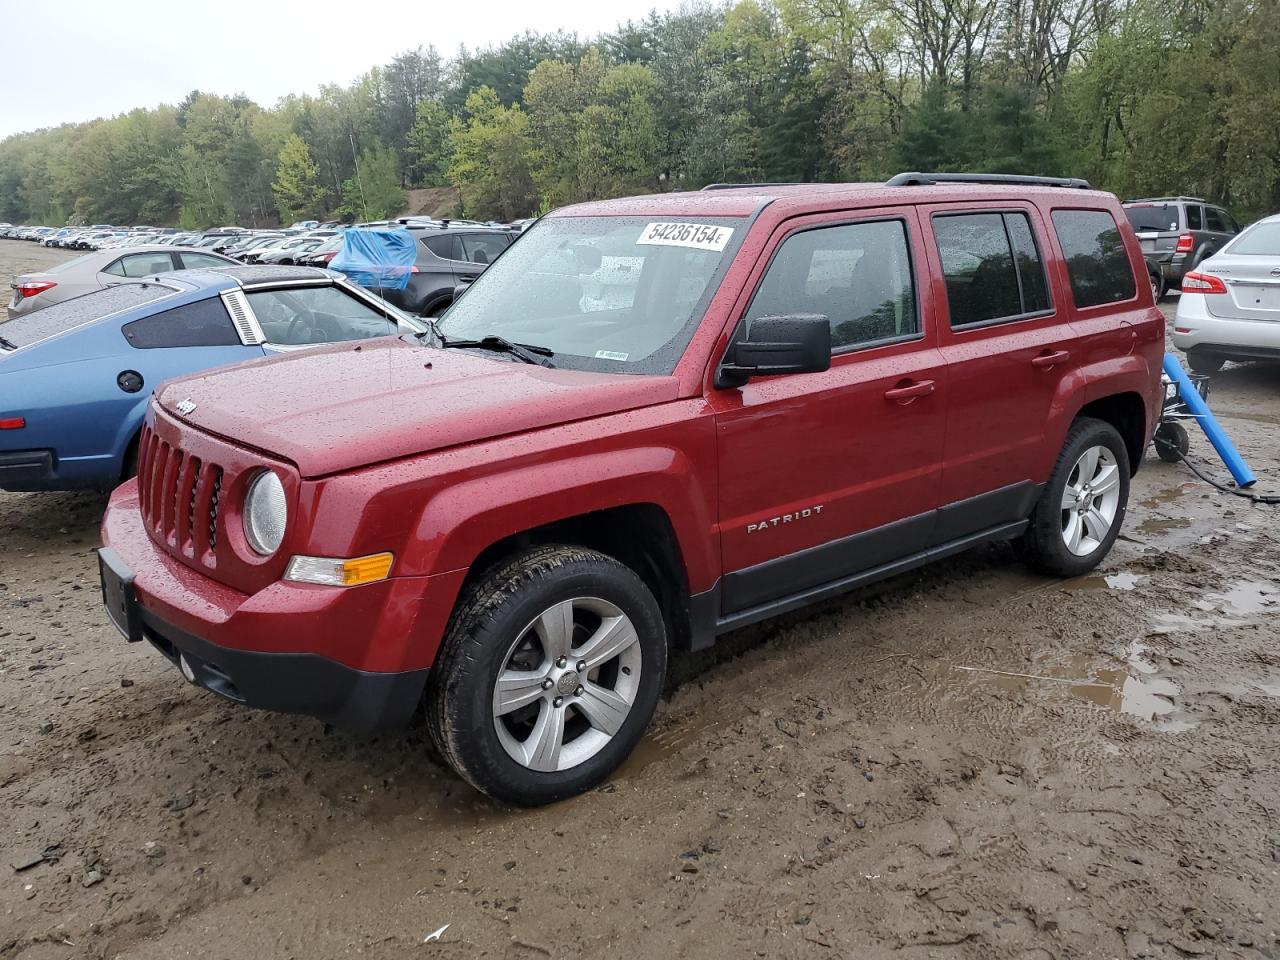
(1139, 96)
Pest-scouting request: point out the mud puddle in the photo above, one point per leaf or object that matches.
(1135, 688)
(1245, 602)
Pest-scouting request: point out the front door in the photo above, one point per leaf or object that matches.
(826, 475)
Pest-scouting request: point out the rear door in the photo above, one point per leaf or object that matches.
(1008, 345)
(478, 251)
(825, 475)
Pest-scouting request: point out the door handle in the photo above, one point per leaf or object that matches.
(908, 390)
(1051, 359)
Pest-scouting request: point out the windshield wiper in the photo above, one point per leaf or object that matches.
(528, 352)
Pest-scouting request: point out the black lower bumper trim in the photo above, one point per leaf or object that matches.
(293, 682)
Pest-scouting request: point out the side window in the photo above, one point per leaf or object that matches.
(201, 324)
(483, 248)
(992, 267)
(145, 264)
(115, 268)
(1214, 217)
(1097, 261)
(200, 261)
(305, 315)
(1194, 220)
(857, 275)
(448, 247)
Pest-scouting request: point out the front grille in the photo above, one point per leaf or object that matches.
(179, 499)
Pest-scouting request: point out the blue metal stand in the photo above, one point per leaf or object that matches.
(1196, 406)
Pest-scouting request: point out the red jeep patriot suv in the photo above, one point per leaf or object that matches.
(651, 421)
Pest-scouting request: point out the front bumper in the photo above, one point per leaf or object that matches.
(1233, 338)
(358, 658)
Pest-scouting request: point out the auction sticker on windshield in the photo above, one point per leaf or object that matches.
(700, 236)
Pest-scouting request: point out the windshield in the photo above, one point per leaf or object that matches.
(1154, 217)
(618, 294)
(1260, 240)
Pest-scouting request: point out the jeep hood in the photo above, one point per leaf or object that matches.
(345, 406)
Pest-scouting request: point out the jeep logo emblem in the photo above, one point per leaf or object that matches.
(186, 407)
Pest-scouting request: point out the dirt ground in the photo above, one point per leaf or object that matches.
(968, 762)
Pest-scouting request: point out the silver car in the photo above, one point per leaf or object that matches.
(1230, 304)
(32, 291)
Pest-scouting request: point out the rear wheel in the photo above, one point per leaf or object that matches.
(1201, 361)
(1082, 508)
(1157, 286)
(548, 676)
(436, 309)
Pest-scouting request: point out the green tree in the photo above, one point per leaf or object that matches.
(429, 145)
(375, 192)
(490, 164)
(297, 190)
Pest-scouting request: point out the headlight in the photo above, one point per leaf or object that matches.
(265, 513)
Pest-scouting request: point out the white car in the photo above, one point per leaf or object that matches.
(1230, 304)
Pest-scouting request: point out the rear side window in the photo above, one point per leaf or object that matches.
(483, 247)
(61, 317)
(201, 324)
(1216, 223)
(1097, 261)
(1194, 220)
(992, 267)
(857, 275)
(448, 247)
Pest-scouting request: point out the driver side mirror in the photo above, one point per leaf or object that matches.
(797, 343)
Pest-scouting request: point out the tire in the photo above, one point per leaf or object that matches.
(1070, 542)
(1171, 442)
(1201, 362)
(436, 309)
(1157, 286)
(509, 619)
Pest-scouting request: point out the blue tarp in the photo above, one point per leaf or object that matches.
(377, 259)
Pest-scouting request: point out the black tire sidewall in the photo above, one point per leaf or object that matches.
(469, 685)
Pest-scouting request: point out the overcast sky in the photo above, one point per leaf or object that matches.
(73, 60)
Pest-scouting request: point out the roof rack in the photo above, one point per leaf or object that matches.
(929, 179)
(735, 186)
(1166, 200)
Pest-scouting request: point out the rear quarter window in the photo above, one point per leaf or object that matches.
(1097, 262)
(70, 314)
(201, 324)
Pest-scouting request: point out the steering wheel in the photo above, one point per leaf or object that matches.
(314, 333)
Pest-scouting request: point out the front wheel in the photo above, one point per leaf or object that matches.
(548, 676)
(1082, 508)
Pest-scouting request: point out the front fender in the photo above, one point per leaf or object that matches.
(463, 519)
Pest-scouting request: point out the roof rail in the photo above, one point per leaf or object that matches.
(1167, 200)
(929, 179)
(735, 186)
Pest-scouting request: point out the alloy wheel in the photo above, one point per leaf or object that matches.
(1090, 500)
(567, 684)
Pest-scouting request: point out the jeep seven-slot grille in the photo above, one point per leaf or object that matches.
(179, 498)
